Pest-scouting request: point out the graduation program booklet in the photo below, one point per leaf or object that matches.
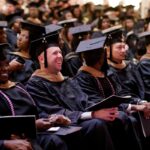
(111, 101)
(18, 125)
(145, 124)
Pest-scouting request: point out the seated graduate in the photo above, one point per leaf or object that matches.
(98, 85)
(72, 60)
(144, 65)
(13, 29)
(17, 101)
(128, 74)
(21, 63)
(53, 93)
(126, 71)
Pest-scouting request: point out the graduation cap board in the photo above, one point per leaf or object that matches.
(31, 26)
(144, 34)
(12, 18)
(114, 34)
(51, 28)
(68, 22)
(111, 101)
(41, 29)
(112, 30)
(3, 24)
(17, 125)
(92, 44)
(80, 29)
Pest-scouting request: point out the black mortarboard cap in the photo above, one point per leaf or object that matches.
(114, 34)
(3, 24)
(51, 28)
(34, 29)
(48, 29)
(92, 50)
(3, 47)
(13, 2)
(38, 31)
(63, 11)
(92, 44)
(80, 29)
(68, 22)
(48, 34)
(111, 30)
(145, 35)
(129, 34)
(13, 17)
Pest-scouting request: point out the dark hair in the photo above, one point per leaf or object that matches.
(101, 20)
(141, 46)
(92, 57)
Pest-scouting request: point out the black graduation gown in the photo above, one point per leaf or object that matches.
(99, 88)
(130, 79)
(144, 69)
(16, 101)
(71, 64)
(65, 97)
(57, 97)
(24, 74)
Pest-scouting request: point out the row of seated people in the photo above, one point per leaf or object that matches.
(108, 128)
(22, 65)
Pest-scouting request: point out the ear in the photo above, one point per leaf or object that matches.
(41, 58)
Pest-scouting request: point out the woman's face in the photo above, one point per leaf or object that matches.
(23, 40)
(4, 71)
(105, 23)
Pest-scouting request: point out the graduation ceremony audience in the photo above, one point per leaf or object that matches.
(58, 58)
